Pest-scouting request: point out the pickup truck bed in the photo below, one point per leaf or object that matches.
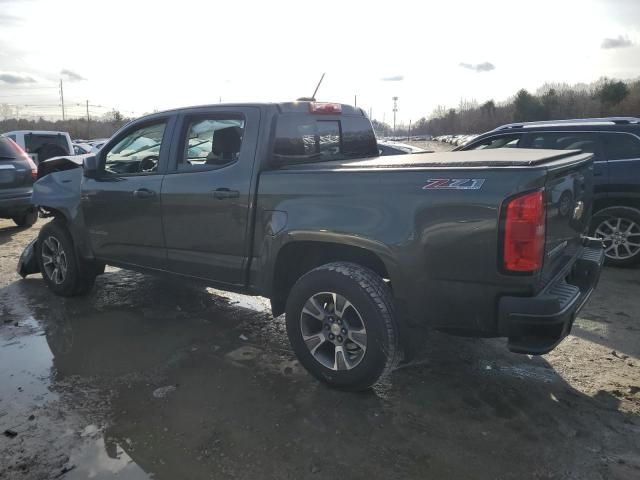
(478, 158)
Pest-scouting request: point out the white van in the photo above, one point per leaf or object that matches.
(41, 145)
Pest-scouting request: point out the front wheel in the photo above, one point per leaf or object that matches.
(62, 270)
(619, 228)
(340, 322)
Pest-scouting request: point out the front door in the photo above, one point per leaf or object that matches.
(207, 193)
(121, 206)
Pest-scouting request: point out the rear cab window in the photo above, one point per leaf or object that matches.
(34, 142)
(307, 138)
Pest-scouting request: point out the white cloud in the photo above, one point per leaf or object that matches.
(71, 75)
(618, 42)
(393, 78)
(478, 67)
(15, 79)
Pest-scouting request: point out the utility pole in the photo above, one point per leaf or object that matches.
(370, 114)
(355, 100)
(87, 112)
(395, 110)
(62, 99)
(409, 135)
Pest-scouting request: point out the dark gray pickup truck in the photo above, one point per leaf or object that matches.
(291, 201)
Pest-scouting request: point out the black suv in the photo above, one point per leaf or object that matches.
(17, 174)
(615, 143)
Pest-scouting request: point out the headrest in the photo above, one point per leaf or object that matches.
(227, 140)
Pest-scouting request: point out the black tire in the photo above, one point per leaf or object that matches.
(27, 219)
(372, 301)
(625, 217)
(50, 150)
(79, 276)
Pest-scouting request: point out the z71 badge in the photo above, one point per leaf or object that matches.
(454, 184)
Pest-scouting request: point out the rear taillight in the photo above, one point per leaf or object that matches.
(326, 108)
(32, 166)
(524, 231)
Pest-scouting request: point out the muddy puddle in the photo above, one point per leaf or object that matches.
(151, 379)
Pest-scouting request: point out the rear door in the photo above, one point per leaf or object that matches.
(122, 207)
(207, 194)
(590, 142)
(622, 151)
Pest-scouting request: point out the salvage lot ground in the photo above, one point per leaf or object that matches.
(150, 379)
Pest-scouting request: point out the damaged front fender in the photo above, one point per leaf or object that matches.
(59, 191)
(59, 164)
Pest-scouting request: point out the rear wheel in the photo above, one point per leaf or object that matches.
(619, 228)
(341, 326)
(62, 270)
(27, 219)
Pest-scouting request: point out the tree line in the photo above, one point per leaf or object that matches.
(78, 128)
(553, 101)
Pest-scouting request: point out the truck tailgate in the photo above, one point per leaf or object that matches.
(569, 200)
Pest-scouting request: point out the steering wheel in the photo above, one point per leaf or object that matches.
(149, 164)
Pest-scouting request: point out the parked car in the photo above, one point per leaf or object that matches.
(396, 148)
(41, 145)
(97, 144)
(17, 174)
(81, 148)
(291, 201)
(615, 144)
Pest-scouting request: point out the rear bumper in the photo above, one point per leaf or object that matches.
(535, 325)
(15, 204)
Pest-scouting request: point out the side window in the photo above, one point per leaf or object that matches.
(211, 142)
(138, 152)
(506, 141)
(12, 137)
(585, 141)
(621, 146)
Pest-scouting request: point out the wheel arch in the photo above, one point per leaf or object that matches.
(307, 250)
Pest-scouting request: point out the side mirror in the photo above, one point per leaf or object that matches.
(90, 165)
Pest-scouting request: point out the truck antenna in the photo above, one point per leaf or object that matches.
(313, 97)
(317, 87)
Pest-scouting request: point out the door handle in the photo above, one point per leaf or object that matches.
(222, 193)
(144, 193)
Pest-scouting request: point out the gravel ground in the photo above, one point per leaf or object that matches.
(149, 379)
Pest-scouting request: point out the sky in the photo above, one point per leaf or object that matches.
(140, 56)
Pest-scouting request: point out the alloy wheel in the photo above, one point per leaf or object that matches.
(54, 260)
(621, 237)
(333, 331)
